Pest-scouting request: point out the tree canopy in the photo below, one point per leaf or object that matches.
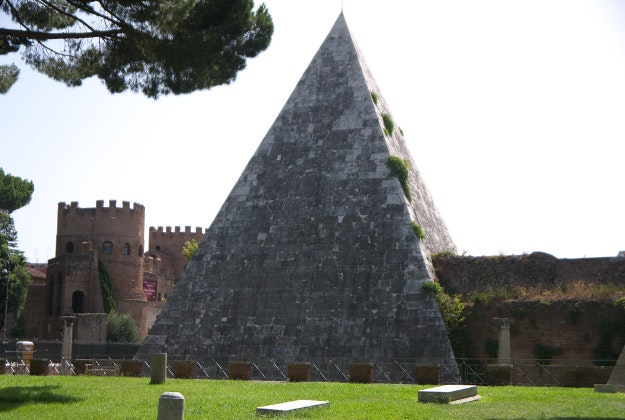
(15, 192)
(157, 47)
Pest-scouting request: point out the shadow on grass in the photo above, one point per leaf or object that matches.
(15, 396)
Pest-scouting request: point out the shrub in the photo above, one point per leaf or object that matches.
(388, 124)
(121, 328)
(432, 287)
(400, 168)
(374, 96)
(418, 230)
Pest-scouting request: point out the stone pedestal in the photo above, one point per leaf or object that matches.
(428, 374)
(499, 374)
(184, 369)
(298, 372)
(240, 370)
(158, 365)
(361, 373)
(171, 406)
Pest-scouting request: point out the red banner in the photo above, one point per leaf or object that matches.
(149, 288)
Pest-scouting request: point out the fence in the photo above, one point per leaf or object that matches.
(465, 371)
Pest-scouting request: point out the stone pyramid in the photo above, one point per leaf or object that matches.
(314, 252)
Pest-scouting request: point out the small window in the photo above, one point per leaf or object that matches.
(141, 250)
(158, 247)
(107, 248)
(126, 249)
(69, 247)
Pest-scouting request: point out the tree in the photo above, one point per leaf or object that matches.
(15, 193)
(157, 47)
(189, 249)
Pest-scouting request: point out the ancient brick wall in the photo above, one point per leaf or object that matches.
(90, 328)
(171, 243)
(494, 287)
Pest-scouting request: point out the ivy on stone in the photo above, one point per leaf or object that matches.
(107, 288)
(451, 309)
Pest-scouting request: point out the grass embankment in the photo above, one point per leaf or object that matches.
(80, 397)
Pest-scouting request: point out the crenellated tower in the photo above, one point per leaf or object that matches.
(113, 235)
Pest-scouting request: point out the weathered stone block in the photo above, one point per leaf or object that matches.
(499, 375)
(131, 368)
(584, 376)
(240, 370)
(39, 367)
(80, 365)
(428, 374)
(184, 369)
(291, 406)
(298, 372)
(361, 373)
(609, 388)
(448, 393)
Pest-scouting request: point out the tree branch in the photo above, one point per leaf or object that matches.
(64, 13)
(45, 36)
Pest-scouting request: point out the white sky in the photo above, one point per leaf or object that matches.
(513, 111)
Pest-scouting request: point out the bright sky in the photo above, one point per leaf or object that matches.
(514, 112)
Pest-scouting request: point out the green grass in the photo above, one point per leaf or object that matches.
(83, 397)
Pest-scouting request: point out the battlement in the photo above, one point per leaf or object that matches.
(73, 207)
(187, 230)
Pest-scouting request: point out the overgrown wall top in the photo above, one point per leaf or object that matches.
(467, 274)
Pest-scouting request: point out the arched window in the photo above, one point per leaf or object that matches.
(78, 302)
(69, 247)
(126, 249)
(107, 247)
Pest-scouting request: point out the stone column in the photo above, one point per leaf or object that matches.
(158, 368)
(66, 345)
(504, 340)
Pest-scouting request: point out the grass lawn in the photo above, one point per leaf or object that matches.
(86, 397)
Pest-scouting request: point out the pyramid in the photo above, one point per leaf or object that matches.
(314, 252)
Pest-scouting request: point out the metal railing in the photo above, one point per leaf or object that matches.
(464, 371)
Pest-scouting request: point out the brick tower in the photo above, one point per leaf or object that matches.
(112, 235)
(314, 252)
